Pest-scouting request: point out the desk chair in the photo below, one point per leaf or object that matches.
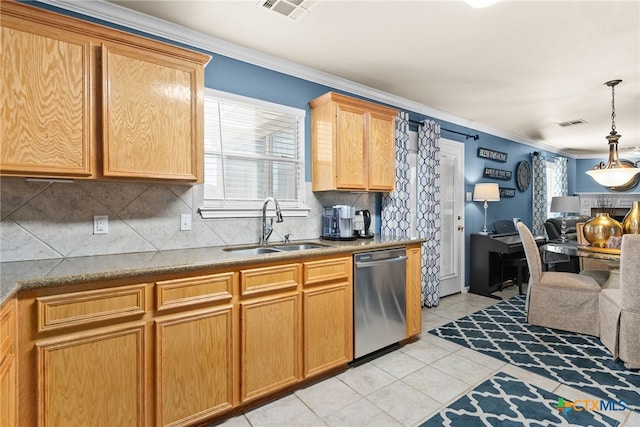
(559, 300)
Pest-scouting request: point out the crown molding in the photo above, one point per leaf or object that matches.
(131, 19)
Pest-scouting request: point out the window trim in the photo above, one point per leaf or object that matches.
(253, 209)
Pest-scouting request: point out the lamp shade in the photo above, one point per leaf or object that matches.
(486, 191)
(613, 176)
(565, 204)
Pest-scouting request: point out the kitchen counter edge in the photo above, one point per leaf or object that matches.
(19, 275)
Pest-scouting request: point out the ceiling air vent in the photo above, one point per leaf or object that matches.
(290, 8)
(572, 123)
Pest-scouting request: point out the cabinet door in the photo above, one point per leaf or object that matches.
(270, 345)
(381, 154)
(328, 320)
(195, 356)
(46, 105)
(350, 148)
(8, 368)
(414, 290)
(152, 115)
(95, 379)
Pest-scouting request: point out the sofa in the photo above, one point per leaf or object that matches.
(553, 226)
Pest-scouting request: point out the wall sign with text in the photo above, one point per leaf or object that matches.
(498, 156)
(497, 174)
(507, 192)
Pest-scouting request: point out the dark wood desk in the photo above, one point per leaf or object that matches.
(487, 252)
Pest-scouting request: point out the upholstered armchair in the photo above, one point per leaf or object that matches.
(559, 300)
(553, 227)
(620, 308)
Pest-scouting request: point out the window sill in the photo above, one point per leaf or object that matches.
(229, 213)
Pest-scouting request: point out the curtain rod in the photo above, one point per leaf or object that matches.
(466, 135)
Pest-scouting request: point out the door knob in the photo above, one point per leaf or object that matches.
(460, 228)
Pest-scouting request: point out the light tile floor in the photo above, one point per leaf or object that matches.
(407, 386)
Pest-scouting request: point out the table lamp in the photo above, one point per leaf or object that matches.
(486, 192)
(565, 205)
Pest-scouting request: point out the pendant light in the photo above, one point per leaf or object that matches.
(615, 173)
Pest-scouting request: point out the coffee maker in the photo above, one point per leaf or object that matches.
(337, 222)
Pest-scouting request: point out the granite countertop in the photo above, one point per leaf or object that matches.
(15, 276)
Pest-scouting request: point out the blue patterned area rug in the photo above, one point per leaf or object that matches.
(506, 401)
(578, 361)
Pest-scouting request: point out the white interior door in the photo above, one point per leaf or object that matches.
(452, 221)
(452, 203)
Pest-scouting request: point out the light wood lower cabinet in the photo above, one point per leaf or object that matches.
(195, 365)
(270, 341)
(328, 315)
(8, 367)
(270, 332)
(414, 290)
(178, 351)
(95, 379)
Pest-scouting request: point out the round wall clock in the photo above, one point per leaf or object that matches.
(523, 175)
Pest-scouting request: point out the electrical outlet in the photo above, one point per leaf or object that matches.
(185, 222)
(100, 224)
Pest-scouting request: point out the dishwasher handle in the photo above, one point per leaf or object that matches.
(379, 262)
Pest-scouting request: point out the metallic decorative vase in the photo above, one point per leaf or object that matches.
(598, 230)
(631, 221)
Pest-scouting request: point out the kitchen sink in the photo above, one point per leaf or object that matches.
(301, 247)
(252, 251)
(258, 250)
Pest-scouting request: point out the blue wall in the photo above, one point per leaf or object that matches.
(230, 75)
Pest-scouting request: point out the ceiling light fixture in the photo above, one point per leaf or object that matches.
(477, 4)
(615, 173)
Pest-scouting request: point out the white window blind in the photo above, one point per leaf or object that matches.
(253, 150)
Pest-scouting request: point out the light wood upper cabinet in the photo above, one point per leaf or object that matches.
(47, 102)
(352, 144)
(86, 101)
(150, 129)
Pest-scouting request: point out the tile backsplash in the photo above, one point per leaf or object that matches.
(41, 220)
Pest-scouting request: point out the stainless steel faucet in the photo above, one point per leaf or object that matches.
(267, 229)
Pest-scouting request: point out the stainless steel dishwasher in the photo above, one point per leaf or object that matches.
(379, 300)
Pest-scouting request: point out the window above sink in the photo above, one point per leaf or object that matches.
(253, 150)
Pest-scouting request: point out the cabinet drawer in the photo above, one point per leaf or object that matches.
(315, 272)
(262, 280)
(77, 308)
(194, 290)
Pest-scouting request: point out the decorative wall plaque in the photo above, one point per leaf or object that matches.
(507, 192)
(497, 174)
(523, 176)
(498, 156)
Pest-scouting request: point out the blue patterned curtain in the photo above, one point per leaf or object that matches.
(562, 182)
(428, 226)
(395, 219)
(539, 193)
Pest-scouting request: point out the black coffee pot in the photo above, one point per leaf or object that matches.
(366, 215)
